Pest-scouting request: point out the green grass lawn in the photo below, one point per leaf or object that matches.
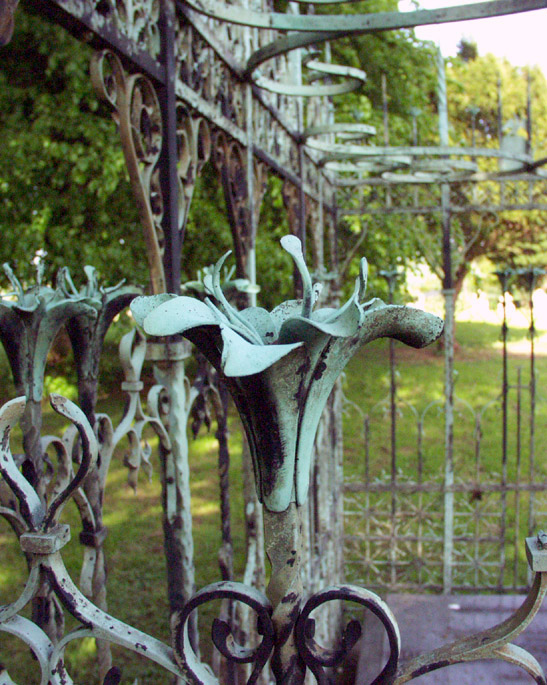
(136, 585)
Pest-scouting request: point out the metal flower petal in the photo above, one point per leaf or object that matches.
(241, 358)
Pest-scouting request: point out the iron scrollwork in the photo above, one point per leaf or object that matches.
(194, 142)
(318, 658)
(229, 158)
(138, 115)
(190, 665)
(43, 540)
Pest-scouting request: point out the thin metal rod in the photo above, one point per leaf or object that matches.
(251, 256)
(533, 390)
(169, 157)
(385, 110)
(516, 538)
(500, 114)
(449, 299)
(505, 399)
(393, 440)
(529, 121)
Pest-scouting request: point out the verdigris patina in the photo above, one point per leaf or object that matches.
(280, 366)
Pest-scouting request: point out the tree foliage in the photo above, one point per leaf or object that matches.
(64, 190)
(508, 238)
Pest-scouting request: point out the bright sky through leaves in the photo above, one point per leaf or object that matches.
(520, 37)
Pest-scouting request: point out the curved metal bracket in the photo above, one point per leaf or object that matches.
(494, 643)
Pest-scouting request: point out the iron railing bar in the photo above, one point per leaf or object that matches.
(468, 209)
(441, 489)
(518, 472)
(100, 36)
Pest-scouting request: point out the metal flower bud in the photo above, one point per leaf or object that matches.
(281, 366)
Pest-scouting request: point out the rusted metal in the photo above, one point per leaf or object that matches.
(190, 666)
(280, 369)
(138, 116)
(318, 658)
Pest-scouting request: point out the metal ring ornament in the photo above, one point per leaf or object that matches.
(198, 672)
(352, 78)
(314, 29)
(344, 131)
(317, 658)
(361, 152)
(372, 165)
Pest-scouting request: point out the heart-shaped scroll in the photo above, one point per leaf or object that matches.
(33, 511)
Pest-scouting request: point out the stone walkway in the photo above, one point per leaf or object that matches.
(428, 621)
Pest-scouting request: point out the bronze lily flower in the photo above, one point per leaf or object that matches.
(281, 366)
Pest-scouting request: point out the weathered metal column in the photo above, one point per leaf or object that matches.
(449, 299)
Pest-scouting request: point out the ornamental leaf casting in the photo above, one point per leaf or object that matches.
(280, 368)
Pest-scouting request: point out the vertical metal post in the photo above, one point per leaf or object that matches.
(251, 256)
(385, 110)
(393, 408)
(390, 277)
(177, 519)
(176, 496)
(386, 128)
(302, 199)
(533, 380)
(449, 299)
(320, 228)
(500, 134)
(516, 538)
(500, 114)
(169, 158)
(415, 113)
(505, 399)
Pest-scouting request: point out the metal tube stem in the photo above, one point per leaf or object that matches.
(282, 532)
(177, 518)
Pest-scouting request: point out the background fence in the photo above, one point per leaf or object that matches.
(421, 514)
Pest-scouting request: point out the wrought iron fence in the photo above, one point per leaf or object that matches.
(427, 523)
(183, 81)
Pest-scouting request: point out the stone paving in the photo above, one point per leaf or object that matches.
(428, 621)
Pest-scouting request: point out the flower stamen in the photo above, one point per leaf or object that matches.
(233, 315)
(292, 245)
